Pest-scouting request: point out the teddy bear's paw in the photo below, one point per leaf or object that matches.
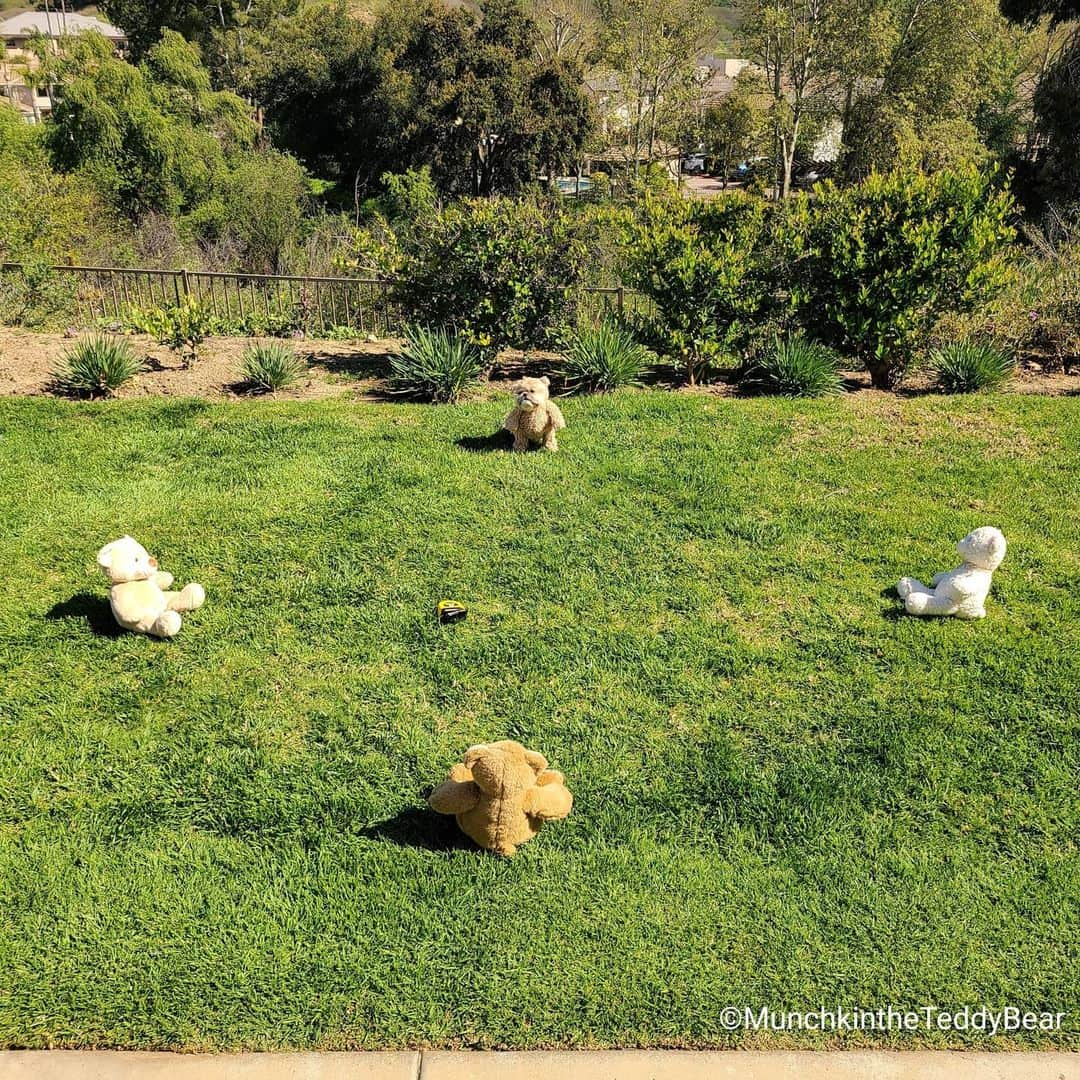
(193, 596)
(167, 625)
(904, 587)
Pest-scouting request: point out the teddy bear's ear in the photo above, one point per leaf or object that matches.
(536, 761)
(105, 555)
(546, 381)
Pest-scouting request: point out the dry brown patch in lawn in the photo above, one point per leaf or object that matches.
(884, 419)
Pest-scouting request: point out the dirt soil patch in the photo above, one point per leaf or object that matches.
(355, 367)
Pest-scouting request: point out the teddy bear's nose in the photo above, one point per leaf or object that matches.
(153, 564)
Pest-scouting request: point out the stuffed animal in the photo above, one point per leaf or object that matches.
(535, 418)
(501, 795)
(961, 592)
(138, 597)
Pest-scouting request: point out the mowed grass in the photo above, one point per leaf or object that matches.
(786, 794)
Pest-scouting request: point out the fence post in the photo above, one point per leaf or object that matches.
(186, 283)
(620, 300)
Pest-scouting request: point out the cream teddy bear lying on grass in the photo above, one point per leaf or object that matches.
(961, 592)
(138, 597)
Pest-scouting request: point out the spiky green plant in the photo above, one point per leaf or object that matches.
(603, 357)
(964, 367)
(97, 367)
(435, 364)
(272, 365)
(796, 366)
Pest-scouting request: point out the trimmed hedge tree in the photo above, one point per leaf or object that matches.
(872, 266)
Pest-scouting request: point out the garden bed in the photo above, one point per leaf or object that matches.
(787, 793)
(28, 359)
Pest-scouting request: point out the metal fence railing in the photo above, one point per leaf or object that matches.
(260, 303)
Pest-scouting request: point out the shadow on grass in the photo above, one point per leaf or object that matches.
(93, 609)
(498, 442)
(419, 827)
(357, 365)
(895, 610)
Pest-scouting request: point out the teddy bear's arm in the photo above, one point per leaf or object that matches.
(548, 802)
(511, 422)
(557, 421)
(454, 796)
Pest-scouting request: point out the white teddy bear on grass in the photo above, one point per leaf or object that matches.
(961, 592)
(138, 597)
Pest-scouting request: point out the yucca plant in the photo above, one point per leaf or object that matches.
(603, 357)
(270, 366)
(435, 365)
(97, 367)
(796, 366)
(964, 367)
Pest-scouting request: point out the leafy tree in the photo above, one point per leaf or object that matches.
(206, 23)
(155, 136)
(874, 265)
(652, 46)
(1057, 95)
(731, 130)
(941, 90)
(473, 99)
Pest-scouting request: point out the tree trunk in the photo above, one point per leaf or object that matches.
(884, 374)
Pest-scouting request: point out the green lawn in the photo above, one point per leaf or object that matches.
(787, 795)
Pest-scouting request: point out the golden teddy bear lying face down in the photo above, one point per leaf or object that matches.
(501, 795)
(534, 418)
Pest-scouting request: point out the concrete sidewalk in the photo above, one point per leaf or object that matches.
(599, 1065)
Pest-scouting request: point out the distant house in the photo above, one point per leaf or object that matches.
(716, 77)
(17, 31)
(18, 63)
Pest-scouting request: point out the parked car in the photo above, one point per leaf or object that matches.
(693, 164)
(812, 173)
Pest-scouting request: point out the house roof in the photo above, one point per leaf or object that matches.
(53, 25)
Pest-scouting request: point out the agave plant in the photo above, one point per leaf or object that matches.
(796, 366)
(435, 365)
(603, 357)
(964, 367)
(270, 366)
(97, 367)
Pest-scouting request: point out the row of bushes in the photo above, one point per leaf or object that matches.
(438, 365)
(881, 273)
(101, 365)
(871, 271)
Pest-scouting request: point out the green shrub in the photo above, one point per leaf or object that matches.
(97, 367)
(182, 328)
(795, 366)
(603, 357)
(504, 273)
(435, 365)
(964, 367)
(704, 265)
(873, 266)
(270, 366)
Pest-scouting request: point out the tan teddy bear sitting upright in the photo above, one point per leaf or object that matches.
(138, 597)
(534, 418)
(501, 795)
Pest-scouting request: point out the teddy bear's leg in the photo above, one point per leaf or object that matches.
(549, 802)
(908, 585)
(937, 579)
(166, 625)
(928, 603)
(551, 444)
(521, 442)
(454, 797)
(163, 580)
(191, 598)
